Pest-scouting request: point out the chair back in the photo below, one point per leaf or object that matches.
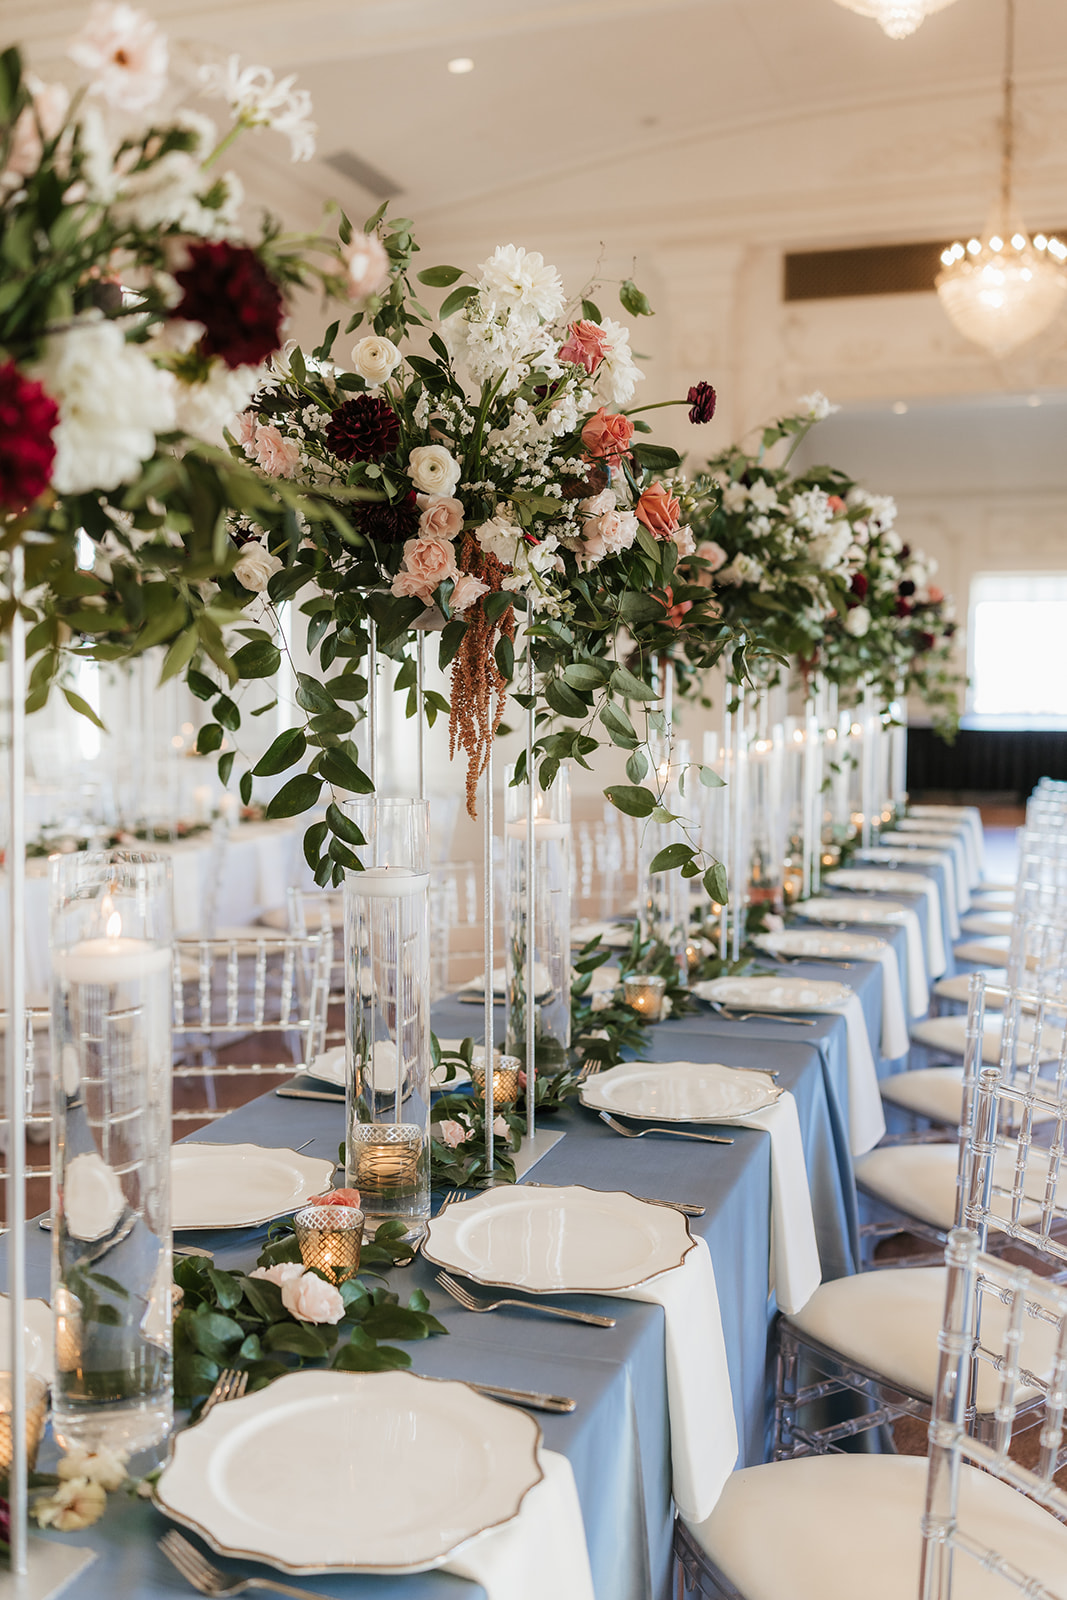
(965, 1342)
(270, 983)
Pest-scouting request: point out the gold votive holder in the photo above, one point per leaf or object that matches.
(792, 883)
(330, 1240)
(387, 1156)
(644, 994)
(36, 1412)
(68, 1323)
(506, 1071)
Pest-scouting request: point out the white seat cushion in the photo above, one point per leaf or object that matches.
(836, 1527)
(950, 1034)
(997, 923)
(889, 1321)
(936, 1092)
(959, 987)
(984, 952)
(920, 1180)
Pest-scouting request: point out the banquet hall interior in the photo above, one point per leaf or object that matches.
(533, 526)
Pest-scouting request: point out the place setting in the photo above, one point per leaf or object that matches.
(833, 945)
(859, 880)
(840, 911)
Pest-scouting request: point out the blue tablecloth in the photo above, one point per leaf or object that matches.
(618, 1439)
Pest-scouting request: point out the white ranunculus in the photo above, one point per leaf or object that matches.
(375, 359)
(618, 376)
(857, 621)
(112, 400)
(433, 469)
(255, 567)
(499, 537)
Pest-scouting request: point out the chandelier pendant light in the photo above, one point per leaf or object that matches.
(898, 18)
(1005, 287)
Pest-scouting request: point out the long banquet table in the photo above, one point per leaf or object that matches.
(618, 1438)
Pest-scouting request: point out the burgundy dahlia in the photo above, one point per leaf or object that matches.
(364, 428)
(229, 290)
(27, 416)
(926, 641)
(390, 524)
(906, 588)
(702, 398)
(859, 585)
(903, 608)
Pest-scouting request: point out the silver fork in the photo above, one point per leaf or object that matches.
(229, 1385)
(589, 1069)
(470, 1302)
(451, 1198)
(679, 1133)
(728, 1014)
(197, 1570)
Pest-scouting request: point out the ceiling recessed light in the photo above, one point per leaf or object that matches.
(460, 64)
(1033, 400)
(899, 407)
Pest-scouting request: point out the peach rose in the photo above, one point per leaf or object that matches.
(274, 452)
(586, 347)
(367, 263)
(442, 517)
(607, 437)
(658, 510)
(310, 1298)
(427, 562)
(467, 590)
(335, 1197)
(675, 613)
(936, 594)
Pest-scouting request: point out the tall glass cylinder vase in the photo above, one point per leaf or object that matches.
(766, 823)
(551, 918)
(111, 1073)
(663, 898)
(387, 1007)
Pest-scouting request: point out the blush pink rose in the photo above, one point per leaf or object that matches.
(442, 517)
(310, 1298)
(607, 437)
(467, 590)
(936, 594)
(275, 453)
(427, 562)
(47, 113)
(587, 346)
(453, 1134)
(367, 263)
(683, 538)
(283, 1273)
(605, 529)
(712, 553)
(244, 431)
(658, 510)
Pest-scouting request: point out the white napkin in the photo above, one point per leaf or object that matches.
(866, 1118)
(895, 1039)
(935, 940)
(540, 1552)
(960, 874)
(703, 1430)
(955, 884)
(795, 1269)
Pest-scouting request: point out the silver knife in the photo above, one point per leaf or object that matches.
(525, 1397)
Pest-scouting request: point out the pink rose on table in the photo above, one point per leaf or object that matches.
(658, 510)
(587, 346)
(442, 517)
(607, 437)
(335, 1197)
(427, 562)
(453, 1134)
(468, 589)
(310, 1298)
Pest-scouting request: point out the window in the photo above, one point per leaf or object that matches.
(1018, 649)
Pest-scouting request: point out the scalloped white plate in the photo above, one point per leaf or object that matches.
(240, 1185)
(772, 993)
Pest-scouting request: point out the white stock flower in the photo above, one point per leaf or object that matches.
(204, 409)
(258, 101)
(829, 549)
(811, 510)
(255, 567)
(617, 376)
(763, 495)
(857, 621)
(734, 498)
(112, 400)
(125, 55)
(501, 538)
(375, 358)
(98, 157)
(742, 569)
(433, 469)
(515, 278)
(816, 406)
(167, 195)
(892, 541)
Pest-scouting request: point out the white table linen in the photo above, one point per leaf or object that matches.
(959, 896)
(795, 1269)
(959, 831)
(948, 844)
(895, 1038)
(540, 1552)
(895, 915)
(866, 1117)
(904, 883)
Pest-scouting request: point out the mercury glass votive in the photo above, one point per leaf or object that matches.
(506, 1071)
(644, 994)
(390, 1158)
(330, 1240)
(36, 1412)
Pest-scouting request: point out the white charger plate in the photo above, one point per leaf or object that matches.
(846, 908)
(772, 993)
(816, 945)
(876, 880)
(351, 1472)
(240, 1185)
(39, 1341)
(680, 1091)
(569, 1240)
(330, 1068)
(606, 933)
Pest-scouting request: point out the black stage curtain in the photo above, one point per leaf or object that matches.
(983, 762)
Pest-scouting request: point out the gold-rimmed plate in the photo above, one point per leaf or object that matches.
(240, 1185)
(680, 1091)
(570, 1240)
(324, 1472)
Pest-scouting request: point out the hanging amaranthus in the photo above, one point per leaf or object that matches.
(479, 688)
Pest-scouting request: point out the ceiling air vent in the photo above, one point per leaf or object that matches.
(356, 170)
(876, 269)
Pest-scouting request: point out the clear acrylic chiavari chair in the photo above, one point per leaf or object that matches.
(37, 1087)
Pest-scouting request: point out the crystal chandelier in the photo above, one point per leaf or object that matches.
(898, 18)
(1002, 289)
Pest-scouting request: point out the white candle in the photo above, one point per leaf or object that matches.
(544, 828)
(388, 883)
(228, 805)
(110, 961)
(201, 803)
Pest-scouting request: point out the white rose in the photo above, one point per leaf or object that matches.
(310, 1298)
(857, 621)
(433, 469)
(375, 359)
(255, 567)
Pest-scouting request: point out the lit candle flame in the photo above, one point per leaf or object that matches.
(114, 925)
